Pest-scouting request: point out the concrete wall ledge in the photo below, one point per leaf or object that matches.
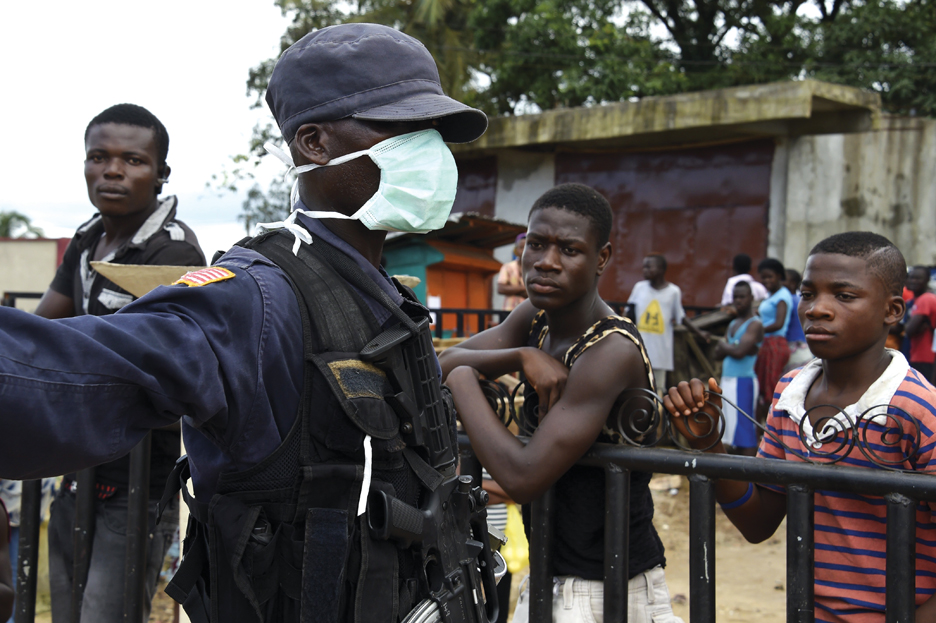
(768, 110)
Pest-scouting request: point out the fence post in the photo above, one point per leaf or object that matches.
(27, 567)
(617, 541)
(701, 549)
(137, 531)
(901, 559)
(800, 554)
(541, 578)
(82, 537)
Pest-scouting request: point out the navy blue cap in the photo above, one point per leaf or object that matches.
(365, 71)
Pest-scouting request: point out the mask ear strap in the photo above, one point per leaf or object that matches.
(281, 155)
(286, 158)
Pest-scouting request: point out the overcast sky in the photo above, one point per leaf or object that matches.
(64, 62)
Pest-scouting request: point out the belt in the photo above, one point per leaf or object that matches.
(101, 491)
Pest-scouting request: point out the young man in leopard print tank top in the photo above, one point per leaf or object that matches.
(578, 356)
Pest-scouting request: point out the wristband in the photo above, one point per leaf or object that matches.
(740, 501)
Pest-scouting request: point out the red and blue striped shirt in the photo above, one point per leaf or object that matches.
(850, 529)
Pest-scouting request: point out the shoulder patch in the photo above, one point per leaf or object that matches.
(205, 276)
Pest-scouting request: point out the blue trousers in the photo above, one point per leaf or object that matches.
(103, 597)
(14, 556)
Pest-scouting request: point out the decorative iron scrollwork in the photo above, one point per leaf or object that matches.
(639, 419)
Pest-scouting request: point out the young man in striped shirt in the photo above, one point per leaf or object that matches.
(851, 296)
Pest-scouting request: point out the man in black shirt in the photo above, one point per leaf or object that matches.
(125, 170)
(578, 356)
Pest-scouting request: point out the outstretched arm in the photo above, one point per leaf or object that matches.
(567, 430)
(696, 331)
(760, 515)
(86, 390)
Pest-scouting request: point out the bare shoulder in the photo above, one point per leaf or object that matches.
(613, 363)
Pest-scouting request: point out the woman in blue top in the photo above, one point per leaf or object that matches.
(739, 382)
(774, 315)
(796, 339)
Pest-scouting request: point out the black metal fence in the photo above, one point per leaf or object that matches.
(482, 319)
(27, 566)
(901, 490)
(469, 321)
(137, 541)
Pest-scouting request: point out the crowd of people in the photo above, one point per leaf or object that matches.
(278, 361)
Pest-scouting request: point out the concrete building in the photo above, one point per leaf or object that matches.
(768, 170)
(27, 265)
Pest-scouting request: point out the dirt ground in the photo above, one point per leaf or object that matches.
(750, 579)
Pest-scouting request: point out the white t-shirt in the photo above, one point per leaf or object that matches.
(757, 289)
(657, 312)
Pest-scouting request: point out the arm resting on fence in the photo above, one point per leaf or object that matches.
(565, 432)
(494, 352)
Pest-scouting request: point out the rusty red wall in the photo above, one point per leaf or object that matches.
(699, 207)
(477, 186)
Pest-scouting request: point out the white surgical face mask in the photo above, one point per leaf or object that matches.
(418, 179)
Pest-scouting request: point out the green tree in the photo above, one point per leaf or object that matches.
(265, 207)
(517, 56)
(16, 225)
(668, 46)
(883, 46)
(560, 53)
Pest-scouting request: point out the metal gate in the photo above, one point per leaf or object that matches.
(901, 490)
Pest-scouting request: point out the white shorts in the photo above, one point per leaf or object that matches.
(659, 379)
(582, 601)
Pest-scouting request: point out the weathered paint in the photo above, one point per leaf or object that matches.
(699, 207)
(882, 181)
(522, 177)
(777, 109)
(804, 188)
(477, 185)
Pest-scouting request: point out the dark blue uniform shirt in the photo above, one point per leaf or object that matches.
(227, 356)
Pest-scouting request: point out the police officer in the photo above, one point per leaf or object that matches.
(227, 348)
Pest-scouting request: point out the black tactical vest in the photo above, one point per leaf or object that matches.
(282, 541)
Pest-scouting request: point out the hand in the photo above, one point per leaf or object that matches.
(705, 336)
(695, 411)
(546, 375)
(926, 613)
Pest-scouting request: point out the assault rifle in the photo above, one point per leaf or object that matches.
(458, 571)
